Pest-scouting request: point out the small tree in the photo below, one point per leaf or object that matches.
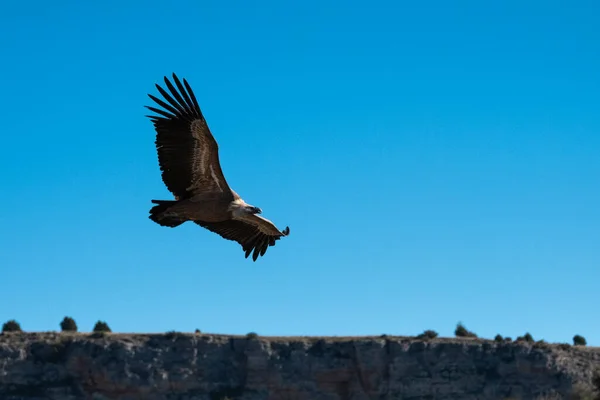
(174, 335)
(527, 337)
(499, 338)
(252, 335)
(11, 326)
(68, 325)
(428, 334)
(461, 331)
(102, 326)
(579, 340)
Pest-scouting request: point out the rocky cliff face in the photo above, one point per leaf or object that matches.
(214, 367)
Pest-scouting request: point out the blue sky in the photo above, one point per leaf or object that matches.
(436, 162)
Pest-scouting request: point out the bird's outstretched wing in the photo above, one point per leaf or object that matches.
(188, 154)
(255, 234)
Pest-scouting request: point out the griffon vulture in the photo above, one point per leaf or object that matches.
(188, 156)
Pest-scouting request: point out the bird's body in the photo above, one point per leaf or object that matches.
(188, 156)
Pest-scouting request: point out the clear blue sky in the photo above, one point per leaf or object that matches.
(436, 162)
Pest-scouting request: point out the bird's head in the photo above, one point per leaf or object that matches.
(253, 210)
(239, 208)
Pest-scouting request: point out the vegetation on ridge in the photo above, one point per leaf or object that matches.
(461, 331)
(68, 325)
(11, 326)
(579, 340)
(101, 328)
(428, 334)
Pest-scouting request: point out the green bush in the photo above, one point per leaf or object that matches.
(499, 338)
(525, 338)
(68, 325)
(101, 326)
(579, 340)
(461, 331)
(251, 335)
(11, 326)
(428, 334)
(174, 335)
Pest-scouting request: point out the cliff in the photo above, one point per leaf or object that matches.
(61, 366)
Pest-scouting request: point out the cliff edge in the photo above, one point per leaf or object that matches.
(69, 366)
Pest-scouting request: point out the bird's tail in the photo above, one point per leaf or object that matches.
(157, 214)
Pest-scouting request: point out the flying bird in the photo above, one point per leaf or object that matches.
(188, 156)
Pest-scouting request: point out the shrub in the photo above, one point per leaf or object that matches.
(508, 339)
(68, 325)
(102, 326)
(172, 335)
(498, 338)
(251, 335)
(428, 334)
(11, 326)
(525, 338)
(198, 331)
(461, 331)
(579, 340)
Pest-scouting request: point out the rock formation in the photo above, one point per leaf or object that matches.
(70, 366)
